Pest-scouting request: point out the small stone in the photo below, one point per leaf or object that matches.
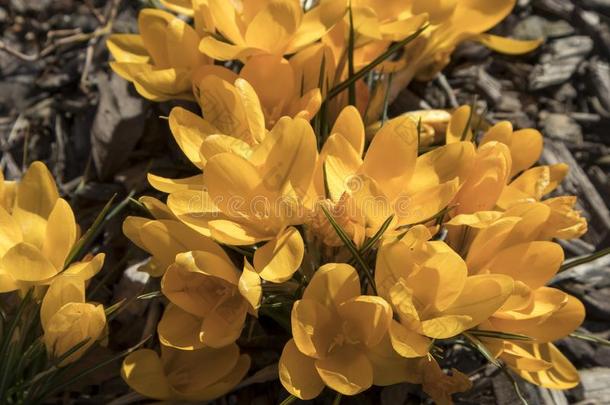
(535, 27)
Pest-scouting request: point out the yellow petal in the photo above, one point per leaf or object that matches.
(224, 385)
(190, 130)
(341, 165)
(26, 263)
(60, 234)
(298, 373)
(219, 50)
(226, 19)
(252, 107)
(180, 329)
(391, 368)
(442, 165)
(508, 46)
(368, 318)
(438, 10)
(562, 375)
(250, 286)
(457, 124)
(279, 258)
(525, 146)
(272, 27)
(273, 79)
(349, 124)
(408, 343)
(216, 144)
(224, 324)
(63, 290)
(143, 371)
(86, 269)
(490, 173)
(182, 42)
(172, 185)
(346, 370)
(152, 24)
(10, 232)
(72, 324)
(287, 156)
(481, 297)
(316, 22)
(127, 48)
(333, 284)
(313, 329)
(390, 159)
(533, 263)
(547, 328)
(35, 199)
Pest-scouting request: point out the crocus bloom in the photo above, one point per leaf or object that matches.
(207, 307)
(37, 234)
(253, 195)
(391, 179)
(278, 27)
(177, 375)
(67, 320)
(277, 91)
(502, 155)
(540, 363)
(453, 22)
(431, 293)
(338, 337)
(165, 237)
(160, 60)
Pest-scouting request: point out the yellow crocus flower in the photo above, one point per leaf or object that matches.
(207, 306)
(453, 22)
(164, 237)
(506, 244)
(278, 27)
(339, 338)
(37, 234)
(432, 295)
(160, 60)
(503, 176)
(198, 375)
(67, 320)
(254, 195)
(391, 179)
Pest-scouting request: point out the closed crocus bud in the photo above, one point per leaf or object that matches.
(68, 321)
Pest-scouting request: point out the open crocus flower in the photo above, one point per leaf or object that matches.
(256, 196)
(539, 363)
(453, 22)
(376, 25)
(160, 60)
(67, 320)
(278, 27)
(207, 306)
(165, 237)
(276, 91)
(503, 154)
(38, 233)
(177, 375)
(391, 179)
(432, 295)
(338, 338)
(507, 245)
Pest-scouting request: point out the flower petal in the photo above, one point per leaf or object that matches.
(143, 371)
(298, 373)
(279, 258)
(346, 370)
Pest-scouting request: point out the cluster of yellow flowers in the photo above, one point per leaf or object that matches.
(384, 240)
(451, 243)
(37, 240)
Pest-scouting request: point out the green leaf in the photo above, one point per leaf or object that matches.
(584, 259)
(288, 400)
(368, 245)
(350, 58)
(590, 338)
(351, 247)
(498, 335)
(365, 70)
(481, 348)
